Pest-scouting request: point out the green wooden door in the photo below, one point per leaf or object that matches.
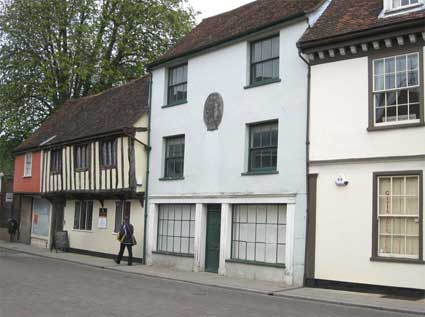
(213, 238)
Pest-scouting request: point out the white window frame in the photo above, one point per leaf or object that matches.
(374, 91)
(28, 163)
(405, 6)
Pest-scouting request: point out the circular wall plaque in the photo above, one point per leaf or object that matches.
(213, 111)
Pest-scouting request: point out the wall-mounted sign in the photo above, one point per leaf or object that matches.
(213, 111)
(9, 197)
(103, 216)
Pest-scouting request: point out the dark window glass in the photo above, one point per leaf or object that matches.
(120, 214)
(263, 147)
(174, 157)
(265, 60)
(56, 161)
(82, 157)
(83, 216)
(177, 84)
(108, 153)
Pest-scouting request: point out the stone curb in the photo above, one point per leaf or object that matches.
(343, 303)
(240, 289)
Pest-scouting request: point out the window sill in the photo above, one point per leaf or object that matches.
(396, 260)
(395, 126)
(163, 179)
(260, 173)
(276, 265)
(184, 255)
(175, 104)
(29, 176)
(263, 83)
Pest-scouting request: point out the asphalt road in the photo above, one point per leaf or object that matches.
(35, 286)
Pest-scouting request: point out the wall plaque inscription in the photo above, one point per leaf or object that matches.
(213, 111)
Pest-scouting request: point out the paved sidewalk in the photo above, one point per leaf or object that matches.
(374, 301)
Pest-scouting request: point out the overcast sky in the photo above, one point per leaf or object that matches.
(214, 7)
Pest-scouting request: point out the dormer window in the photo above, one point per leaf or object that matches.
(397, 4)
(394, 7)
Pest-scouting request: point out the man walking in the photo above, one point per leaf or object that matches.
(126, 237)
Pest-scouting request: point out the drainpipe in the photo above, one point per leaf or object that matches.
(148, 149)
(307, 165)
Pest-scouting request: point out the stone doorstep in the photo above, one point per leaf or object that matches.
(371, 301)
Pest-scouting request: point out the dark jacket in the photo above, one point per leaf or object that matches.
(127, 230)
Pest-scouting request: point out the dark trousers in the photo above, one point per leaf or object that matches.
(121, 253)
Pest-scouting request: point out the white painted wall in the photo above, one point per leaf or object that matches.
(340, 114)
(344, 228)
(104, 240)
(215, 160)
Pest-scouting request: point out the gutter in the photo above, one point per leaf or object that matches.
(227, 40)
(148, 149)
(307, 164)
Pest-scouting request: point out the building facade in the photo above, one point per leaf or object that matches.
(227, 192)
(92, 170)
(367, 155)
(32, 212)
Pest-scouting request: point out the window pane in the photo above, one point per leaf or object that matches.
(266, 49)
(413, 61)
(275, 47)
(379, 66)
(256, 52)
(176, 229)
(89, 215)
(77, 215)
(118, 216)
(401, 63)
(379, 83)
(413, 78)
(268, 70)
(256, 233)
(390, 65)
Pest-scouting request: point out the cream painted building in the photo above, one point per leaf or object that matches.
(367, 149)
(93, 170)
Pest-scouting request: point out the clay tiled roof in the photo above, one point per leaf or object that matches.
(112, 110)
(249, 18)
(344, 17)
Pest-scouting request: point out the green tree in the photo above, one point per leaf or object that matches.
(53, 50)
